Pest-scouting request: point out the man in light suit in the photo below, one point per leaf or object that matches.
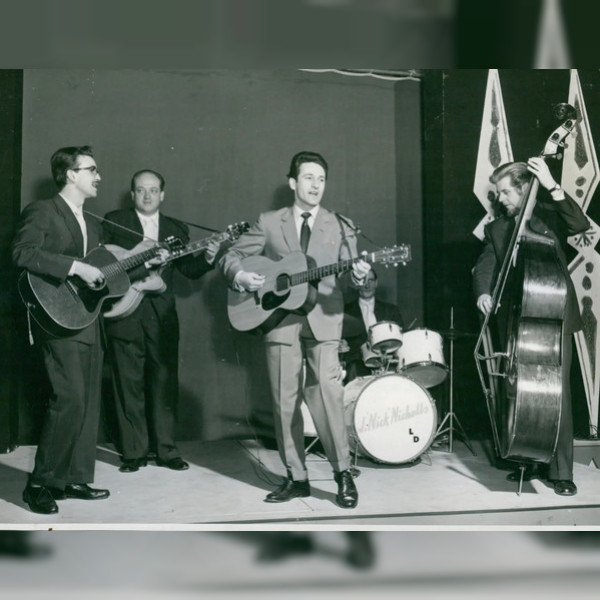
(51, 238)
(327, 238)
(556, 218)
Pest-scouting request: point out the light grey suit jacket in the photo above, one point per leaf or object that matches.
(274, 235)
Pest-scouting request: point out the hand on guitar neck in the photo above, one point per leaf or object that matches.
(159, 260)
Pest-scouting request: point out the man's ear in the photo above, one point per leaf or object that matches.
(292, 183)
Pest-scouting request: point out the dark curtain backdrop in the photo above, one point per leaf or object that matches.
(453, 106)
(11, 343)
(223, 141)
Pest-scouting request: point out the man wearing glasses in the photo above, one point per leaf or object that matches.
(51, 238)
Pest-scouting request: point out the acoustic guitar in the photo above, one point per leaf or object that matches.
(154, 283)
(290, 286)
(64, 307)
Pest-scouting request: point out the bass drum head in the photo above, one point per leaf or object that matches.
(393, 418)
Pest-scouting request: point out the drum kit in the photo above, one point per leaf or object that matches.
(390, 415)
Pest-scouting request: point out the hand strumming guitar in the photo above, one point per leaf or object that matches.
(92, 276)
(247, 281)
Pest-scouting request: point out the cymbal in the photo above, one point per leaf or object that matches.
(454, 333)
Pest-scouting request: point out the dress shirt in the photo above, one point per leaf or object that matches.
(298, 220)
(367, 308)
(78, 212)
(149, 225)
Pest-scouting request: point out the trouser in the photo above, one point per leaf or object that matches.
(323, 393)
(561, 464)
(66, 450)
(145, 385)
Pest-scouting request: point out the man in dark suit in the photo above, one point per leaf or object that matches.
(359, 315)
(143, 347)
(52, 235)
(304, 227)
(556, 218)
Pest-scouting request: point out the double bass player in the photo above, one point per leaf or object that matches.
(556, 216)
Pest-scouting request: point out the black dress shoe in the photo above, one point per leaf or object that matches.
(131, 465)
(288, 490)
(177, 464)
(347, 496)
(39, 499)
(531, 472)
(564, 487)
(82, 491)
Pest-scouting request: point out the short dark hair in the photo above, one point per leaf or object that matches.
(306, 157)
(64, 159)
(517, 171)
(160, 178)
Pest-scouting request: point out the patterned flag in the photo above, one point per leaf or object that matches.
(494, 147)
(580, 175)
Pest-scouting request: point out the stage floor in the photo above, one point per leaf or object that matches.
(228, 480)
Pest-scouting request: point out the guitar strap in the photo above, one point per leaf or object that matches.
(103, 220)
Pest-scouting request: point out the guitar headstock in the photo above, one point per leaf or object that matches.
(234, 231)
(396, 255)
(173, 244)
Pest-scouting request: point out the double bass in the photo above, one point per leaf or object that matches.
(522, 382)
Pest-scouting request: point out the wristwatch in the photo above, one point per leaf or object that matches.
(555, 188)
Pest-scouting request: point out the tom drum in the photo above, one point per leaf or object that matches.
(421, 357)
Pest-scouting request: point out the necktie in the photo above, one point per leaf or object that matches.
(304, 232)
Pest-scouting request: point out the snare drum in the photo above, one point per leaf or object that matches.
(389, 418)
(385, 336)
(422, 357)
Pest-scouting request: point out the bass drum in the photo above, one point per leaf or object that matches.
(389, 418)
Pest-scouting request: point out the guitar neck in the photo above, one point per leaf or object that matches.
(197, 246)
(333, 269)
(126, 264)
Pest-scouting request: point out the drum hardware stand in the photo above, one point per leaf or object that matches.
(451, 415)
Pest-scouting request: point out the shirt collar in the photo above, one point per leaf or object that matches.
(153, 218)
(367, 302)
(298, 212)
(77, 210)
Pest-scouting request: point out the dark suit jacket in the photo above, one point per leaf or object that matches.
(354, 330)
(190, 266)
(47, 241)
(556, 220)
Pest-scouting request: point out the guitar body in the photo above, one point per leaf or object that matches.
(261, 311)
(68, 306)
(154, 283)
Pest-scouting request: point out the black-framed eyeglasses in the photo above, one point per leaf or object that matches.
(92, 169)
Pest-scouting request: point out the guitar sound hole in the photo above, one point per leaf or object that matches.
(282, 283)
(271, 301)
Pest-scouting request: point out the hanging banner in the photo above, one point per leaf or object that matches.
(579, 179)
(494, 147)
